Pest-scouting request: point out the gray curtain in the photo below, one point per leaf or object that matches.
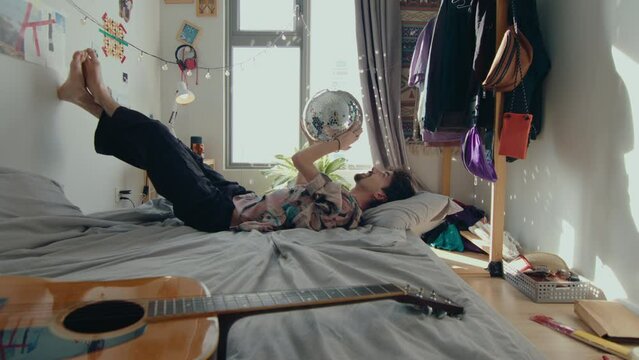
(380, 48)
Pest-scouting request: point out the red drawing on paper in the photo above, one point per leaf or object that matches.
(33, 25)
(112, 47)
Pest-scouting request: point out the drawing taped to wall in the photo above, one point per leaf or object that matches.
(33, 32)
(188, 33)
(206, 7)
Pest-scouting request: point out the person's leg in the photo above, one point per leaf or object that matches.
(74, 88)
(148, 144)
(103, 96)
(230, 188)
(93, 77)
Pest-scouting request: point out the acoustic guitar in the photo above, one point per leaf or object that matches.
(155, 318)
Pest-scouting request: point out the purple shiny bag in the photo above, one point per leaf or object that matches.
(474, 156)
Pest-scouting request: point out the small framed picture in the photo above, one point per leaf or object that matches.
(178, 1)
(206, 7)
(188, 33)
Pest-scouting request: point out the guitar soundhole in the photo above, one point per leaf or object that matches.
(103, 316)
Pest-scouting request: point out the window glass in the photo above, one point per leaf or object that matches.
(266, 15)
(334, 63)
(265, 104)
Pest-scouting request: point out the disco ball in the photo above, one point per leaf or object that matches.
(330, 113)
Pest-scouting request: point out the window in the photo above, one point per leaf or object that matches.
(278, 61)
(334, 61)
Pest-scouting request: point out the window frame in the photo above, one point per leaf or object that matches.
(235, 37)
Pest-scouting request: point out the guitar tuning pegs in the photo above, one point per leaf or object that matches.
(407, 288)
(433, 294)
(420, 292)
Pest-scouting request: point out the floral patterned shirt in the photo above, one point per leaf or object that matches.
(319, 204)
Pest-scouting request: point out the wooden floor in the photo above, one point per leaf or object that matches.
(517, 309)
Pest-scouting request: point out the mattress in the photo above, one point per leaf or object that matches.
(149, 241)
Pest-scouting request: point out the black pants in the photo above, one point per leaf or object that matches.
(201, 197)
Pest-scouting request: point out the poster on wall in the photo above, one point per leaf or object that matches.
(206, 8)
(113, 42)
(34, 32)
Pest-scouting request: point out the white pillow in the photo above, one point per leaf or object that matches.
(419, 214)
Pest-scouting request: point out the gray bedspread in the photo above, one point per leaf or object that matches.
(148, 242)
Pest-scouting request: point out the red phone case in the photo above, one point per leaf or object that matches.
(515, 130)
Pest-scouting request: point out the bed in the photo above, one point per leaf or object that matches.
(42, 234)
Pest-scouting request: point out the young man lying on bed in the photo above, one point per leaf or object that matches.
(201, 197)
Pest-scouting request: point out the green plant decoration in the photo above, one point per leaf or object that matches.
(284, 173)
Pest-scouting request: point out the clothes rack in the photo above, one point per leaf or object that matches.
(498, 188)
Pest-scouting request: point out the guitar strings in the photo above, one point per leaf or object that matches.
(37, 311)
(299, 292)
(44, 310)
(34, 308)
(141, 299)
(15, 318)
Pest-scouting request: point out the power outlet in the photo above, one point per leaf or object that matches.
(117, 196)
(122, 194)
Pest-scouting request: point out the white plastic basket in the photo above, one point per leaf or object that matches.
(551, 292)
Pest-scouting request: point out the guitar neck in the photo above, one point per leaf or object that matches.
(165, 309)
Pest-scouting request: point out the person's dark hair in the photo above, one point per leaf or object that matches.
(400, 188)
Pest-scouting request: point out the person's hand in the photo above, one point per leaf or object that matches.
(346, 139)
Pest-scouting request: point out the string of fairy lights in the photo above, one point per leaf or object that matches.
(281, 36)
(296, 16)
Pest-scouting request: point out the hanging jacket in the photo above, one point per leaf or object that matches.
(421, 52)
(449, 85)
(462, 50)
(528, 22)
(485, 25)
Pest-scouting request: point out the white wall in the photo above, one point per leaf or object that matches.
(205, 116)
(577, 194)
(38, 133)
(426, 164)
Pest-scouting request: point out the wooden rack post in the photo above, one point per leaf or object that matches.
(498, 190)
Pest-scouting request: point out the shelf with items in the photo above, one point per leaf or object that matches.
(484, 245)
(465, 264)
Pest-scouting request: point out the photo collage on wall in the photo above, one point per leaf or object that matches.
(33, 32)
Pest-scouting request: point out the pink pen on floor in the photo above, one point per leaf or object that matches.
(585, 337)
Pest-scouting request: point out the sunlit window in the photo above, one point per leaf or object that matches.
(265, 104)
(334, 60)
(261, 15)
(279, 61)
